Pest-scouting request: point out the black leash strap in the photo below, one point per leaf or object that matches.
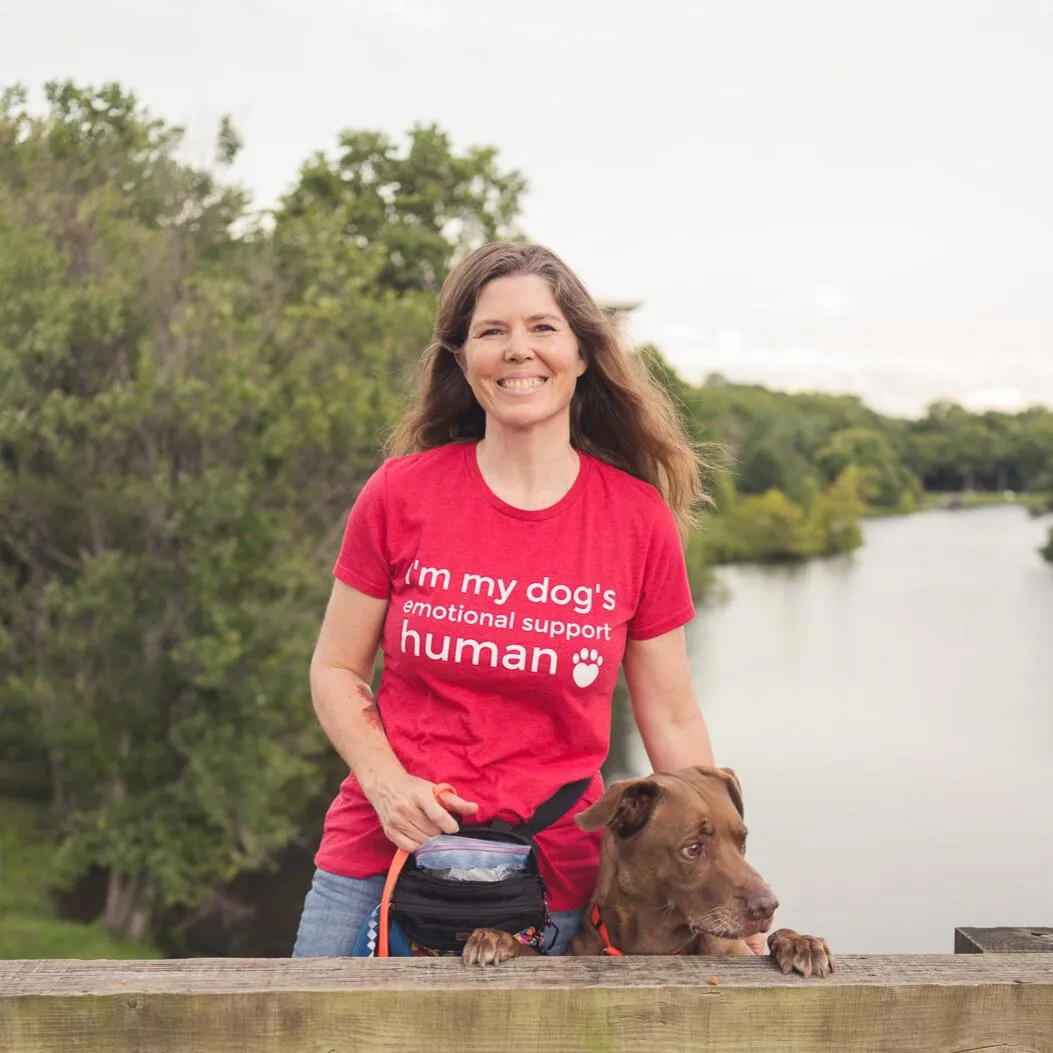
(557, 805)
(548, 811)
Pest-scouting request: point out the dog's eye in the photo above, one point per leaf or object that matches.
(693, 850)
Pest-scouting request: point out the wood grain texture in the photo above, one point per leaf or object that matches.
(903, 1003)
(1002, 940)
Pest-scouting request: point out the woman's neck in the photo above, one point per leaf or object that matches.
(528, 470)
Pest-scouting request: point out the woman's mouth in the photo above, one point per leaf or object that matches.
(520, 383)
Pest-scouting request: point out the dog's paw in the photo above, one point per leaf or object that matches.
(807, 954)
(490, 947)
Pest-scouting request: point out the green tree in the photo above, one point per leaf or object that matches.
(1032, 455)
(763, 528)
(189, 401)
(155, 640)
(884, 481)
(411, 213)
(837, 513)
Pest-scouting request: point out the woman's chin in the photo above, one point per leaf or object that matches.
(527, 418)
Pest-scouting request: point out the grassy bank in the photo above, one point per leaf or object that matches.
(972, 499)
(958, 499)
(29, 923)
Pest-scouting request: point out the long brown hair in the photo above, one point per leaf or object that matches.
(618, 414)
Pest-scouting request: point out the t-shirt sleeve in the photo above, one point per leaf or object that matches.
(364, 562)
(665, 593)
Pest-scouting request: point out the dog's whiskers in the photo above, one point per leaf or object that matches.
(718, 921)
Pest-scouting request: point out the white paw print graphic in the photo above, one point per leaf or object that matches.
(586, 666)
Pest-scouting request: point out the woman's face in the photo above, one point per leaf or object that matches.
(521, 358)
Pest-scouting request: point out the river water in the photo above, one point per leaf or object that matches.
(890, 716)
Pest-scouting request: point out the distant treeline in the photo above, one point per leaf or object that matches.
(191, 395)
(794, 472)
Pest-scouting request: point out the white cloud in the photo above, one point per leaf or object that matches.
(562, 30)
(1008, 399)
(826, 301)
(895, 381)
(419, 17)
(729, 342)
(777, 228)
(829, 302)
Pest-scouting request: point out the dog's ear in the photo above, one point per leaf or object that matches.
(734, 789)
(624, 808)
(730, 780)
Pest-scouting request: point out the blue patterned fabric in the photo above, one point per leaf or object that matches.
(366, 945)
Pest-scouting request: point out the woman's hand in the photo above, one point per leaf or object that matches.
(756, 943)
(410, 812)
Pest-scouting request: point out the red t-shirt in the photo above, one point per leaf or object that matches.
(503, 637)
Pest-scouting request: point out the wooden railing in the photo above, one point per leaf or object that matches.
(959, 1002)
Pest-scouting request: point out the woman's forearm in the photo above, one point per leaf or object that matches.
(663, 701)
(407, 806)
(674, 742)
(350, 718)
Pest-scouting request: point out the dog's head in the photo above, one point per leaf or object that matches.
(679, 837)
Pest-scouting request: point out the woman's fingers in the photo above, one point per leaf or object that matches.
(415, 810)
(458, 804)
(418, 817)
(756, 943)
(400, 840)
(409, 832)
(437, 816)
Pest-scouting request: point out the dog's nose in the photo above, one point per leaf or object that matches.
(761, 903)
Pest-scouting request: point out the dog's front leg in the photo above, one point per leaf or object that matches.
(491, 947)
(718, 945)
(807, 954)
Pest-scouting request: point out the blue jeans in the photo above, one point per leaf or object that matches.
(337, 907)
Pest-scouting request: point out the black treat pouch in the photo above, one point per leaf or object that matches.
(440, 913)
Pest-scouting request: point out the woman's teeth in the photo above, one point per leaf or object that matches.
(521, 385)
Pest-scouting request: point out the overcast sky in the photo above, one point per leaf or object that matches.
(854, 195)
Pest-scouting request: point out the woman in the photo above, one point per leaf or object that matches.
(521, 545)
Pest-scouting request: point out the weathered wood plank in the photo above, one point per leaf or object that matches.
(63, 977)
(1003, 940)
(903, 1003)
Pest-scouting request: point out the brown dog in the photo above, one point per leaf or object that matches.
(673, 878)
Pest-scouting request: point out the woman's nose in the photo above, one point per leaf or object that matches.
(518, 346)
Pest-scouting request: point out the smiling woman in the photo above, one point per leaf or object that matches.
(534, 495)
(617, 413)
(521, 359)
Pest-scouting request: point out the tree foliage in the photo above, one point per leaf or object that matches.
(410, 213)
(190, 402)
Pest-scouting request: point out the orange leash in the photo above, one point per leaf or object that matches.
(401, 855)
(608, 947)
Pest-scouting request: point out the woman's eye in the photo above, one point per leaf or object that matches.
(490, 332)
(545, 327)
